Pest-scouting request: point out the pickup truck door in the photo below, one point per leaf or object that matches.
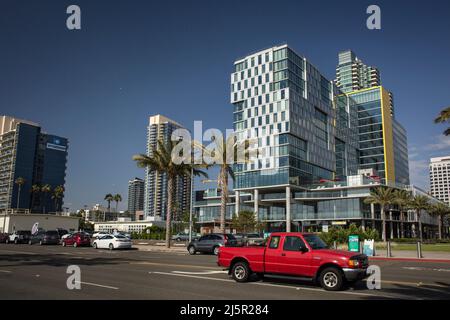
(294, 261)
(272, 254)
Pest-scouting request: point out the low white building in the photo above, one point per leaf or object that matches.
(9, 222)
(126, 226)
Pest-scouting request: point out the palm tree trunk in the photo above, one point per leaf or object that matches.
(440, 227)
(383, 223)
(18, 196)
(170, 186)
(223, 197)
(420, 225)
(402, 224)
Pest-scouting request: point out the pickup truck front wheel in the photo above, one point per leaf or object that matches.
(240, 271)
(331, 279)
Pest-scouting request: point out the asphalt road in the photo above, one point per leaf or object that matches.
(39, 272)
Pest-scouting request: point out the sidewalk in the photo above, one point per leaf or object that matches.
(433, 256)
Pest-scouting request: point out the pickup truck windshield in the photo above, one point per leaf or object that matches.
(315, 242)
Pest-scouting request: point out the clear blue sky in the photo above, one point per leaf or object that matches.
(133, 59)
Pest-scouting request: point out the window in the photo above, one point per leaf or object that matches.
(293, 244)
(274, 242)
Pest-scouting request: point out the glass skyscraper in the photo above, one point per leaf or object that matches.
(39, 158)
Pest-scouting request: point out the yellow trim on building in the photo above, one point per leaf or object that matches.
(388, 140)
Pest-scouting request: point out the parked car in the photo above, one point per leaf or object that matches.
(181, 236)
(112, 242)
(3, 237)
(211, 243)
(99, 234)
(295, 254)
(76, 239)
(61, 232)
(44, 237)
(21, 236)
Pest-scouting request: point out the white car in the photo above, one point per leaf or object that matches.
(99, 234)
(112, 242)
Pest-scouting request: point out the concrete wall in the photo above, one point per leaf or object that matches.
(46, 222)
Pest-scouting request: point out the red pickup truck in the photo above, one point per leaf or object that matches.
(295, 254)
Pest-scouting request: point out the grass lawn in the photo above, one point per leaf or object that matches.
(442, 247)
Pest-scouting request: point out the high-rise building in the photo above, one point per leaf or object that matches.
(284, 101)
(352, 74)
(135, 195)
(440, 178)
(37, 157)
(382, 139)
(155, 199)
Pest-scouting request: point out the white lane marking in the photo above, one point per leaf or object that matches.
(5, 271)
(97, 285)
(202, 272)
(274, 285)
(426, 269)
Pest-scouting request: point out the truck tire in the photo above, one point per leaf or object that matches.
(192, 250)
(331, 279)
(240, 271)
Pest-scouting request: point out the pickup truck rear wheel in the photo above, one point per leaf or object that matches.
(331, 279)
(240, 271)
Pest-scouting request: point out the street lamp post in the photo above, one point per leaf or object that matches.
(191, 208)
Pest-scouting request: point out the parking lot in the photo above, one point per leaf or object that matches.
(39, 272)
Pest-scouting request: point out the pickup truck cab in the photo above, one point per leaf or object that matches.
(296, 254)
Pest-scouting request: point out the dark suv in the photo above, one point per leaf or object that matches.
(45, 237)
(211, 243)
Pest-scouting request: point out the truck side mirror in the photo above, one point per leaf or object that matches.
(303, 249)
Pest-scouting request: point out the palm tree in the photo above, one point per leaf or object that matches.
(227, 152)
(402, 198)
(35, 190)
(109, 198)
(45, 189)
(20, 182)
(57, 195)
(117, 198)
(444, 116)
(440, 210)
(161, 161)
(384, 197)
(419, 203)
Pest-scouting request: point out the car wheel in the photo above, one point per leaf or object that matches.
(29, 242)
(111, 246)
(331, 279)
(16, 241)
(40, 243)
(75, 244)
(7, 241)
(95, 245)
(240, 271)
(216, 250)
(192, 250)
(63, 244)
(178, 239)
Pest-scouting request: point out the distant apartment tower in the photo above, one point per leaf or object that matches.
(352, 74)
(440, 178)
(135, 195)
(37, 157)
(155, 198)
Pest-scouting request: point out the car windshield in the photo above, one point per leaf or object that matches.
(253, 235)
(315, 242)
(120, 237)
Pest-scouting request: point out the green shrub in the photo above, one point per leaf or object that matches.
(340, 235)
